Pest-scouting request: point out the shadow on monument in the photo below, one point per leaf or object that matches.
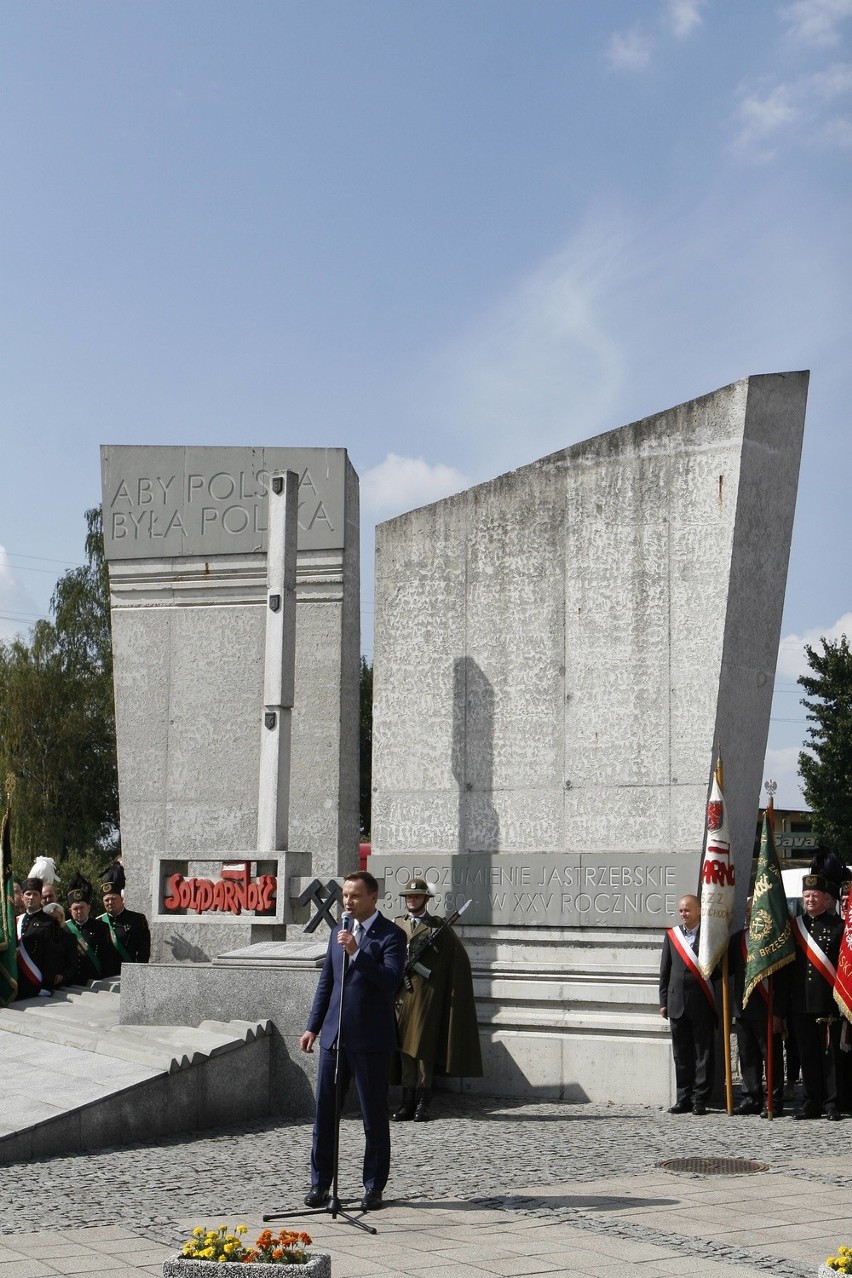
(473, 761)
(501, 1066)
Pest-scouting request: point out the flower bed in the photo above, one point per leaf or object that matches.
(281, 1255)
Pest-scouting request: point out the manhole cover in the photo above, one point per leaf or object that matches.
(713, 1166)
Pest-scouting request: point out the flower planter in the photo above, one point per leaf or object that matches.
(319, 1266)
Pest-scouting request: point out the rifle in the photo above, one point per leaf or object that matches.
(413, 964)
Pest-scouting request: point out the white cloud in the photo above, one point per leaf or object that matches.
(540, 369)
(399, 484)
(782, 766)
(630, 50)
(763, 116)
(765, 112)
(816, 22)
(18, 608)
(791, 654)
(683, 16)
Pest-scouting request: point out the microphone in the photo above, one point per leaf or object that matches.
(346, 921)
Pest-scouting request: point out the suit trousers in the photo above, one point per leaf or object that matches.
(692, 1048)
(370, 1071)
(751, 1041)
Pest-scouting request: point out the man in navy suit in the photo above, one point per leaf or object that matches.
(366, 962)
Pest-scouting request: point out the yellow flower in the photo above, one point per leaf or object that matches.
(198, 1231)
(242, 1229)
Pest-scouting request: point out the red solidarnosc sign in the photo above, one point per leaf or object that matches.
(231, 894)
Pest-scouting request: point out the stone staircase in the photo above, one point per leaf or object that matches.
(76, 1079)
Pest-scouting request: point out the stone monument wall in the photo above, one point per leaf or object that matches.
(558, 654)
(185, 538)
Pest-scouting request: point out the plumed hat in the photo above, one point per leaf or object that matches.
(79, 889)
(44, 868)
(112, 879)
(827, 873)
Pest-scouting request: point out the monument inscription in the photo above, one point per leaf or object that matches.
(212, 501)
(619, 889)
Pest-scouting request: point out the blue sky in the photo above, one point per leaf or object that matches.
(449, 236)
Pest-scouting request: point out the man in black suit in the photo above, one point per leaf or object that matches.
(687, 1003)
(365, 965)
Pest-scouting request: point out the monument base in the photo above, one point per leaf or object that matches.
(570, 1015)
(563, 1015)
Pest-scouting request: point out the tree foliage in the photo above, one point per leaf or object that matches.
(366, 735)
(57, 720)
(825, 764)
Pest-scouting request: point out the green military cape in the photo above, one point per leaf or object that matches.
(437, 1018)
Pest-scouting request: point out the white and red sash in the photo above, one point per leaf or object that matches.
(29, 968)
(813, 953)
(686, 953)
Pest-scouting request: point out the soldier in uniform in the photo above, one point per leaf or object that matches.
(436, 1017)
(94, 954)
(43, 961)
(813, 1012)
(128, 931)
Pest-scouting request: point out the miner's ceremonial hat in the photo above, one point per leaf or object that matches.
(79, 889)
(32, 885)
(417, 887)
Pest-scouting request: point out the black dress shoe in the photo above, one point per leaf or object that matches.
(699, 1108)
(833, 1116)
(777, 1111)
(681, 1107)
(317, 1197)
(807, 1111)
(746, 1107)
(372, 1200)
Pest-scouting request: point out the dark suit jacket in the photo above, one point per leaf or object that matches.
(680, 992)
(372, 979)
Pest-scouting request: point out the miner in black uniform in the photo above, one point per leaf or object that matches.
(42, 957)
(128, 931)
(813, 1013)
(436, 1016)
(94, 955)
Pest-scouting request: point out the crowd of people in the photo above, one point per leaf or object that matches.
(808, 1034)
(73, 944)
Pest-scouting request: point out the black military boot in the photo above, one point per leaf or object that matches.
(406, 1110)
(424, 1096)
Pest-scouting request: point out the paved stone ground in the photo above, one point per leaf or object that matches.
(587, 1169)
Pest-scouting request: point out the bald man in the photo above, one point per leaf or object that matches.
(687, 1002)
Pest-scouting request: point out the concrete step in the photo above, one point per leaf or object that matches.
(94, 1082)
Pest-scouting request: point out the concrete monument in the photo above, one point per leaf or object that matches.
(558, 653)
(237, 660)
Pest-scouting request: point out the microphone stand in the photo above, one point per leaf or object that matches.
(334, 1206)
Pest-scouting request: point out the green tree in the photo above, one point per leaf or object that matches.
(825, 764)
(366, 734)
(57, 720)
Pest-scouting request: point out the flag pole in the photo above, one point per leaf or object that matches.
(770, 1002)
(726, 1003)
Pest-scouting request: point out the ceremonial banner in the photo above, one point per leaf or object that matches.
(843, 980)
(771, 944)
(718, 883)
(8, 934)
